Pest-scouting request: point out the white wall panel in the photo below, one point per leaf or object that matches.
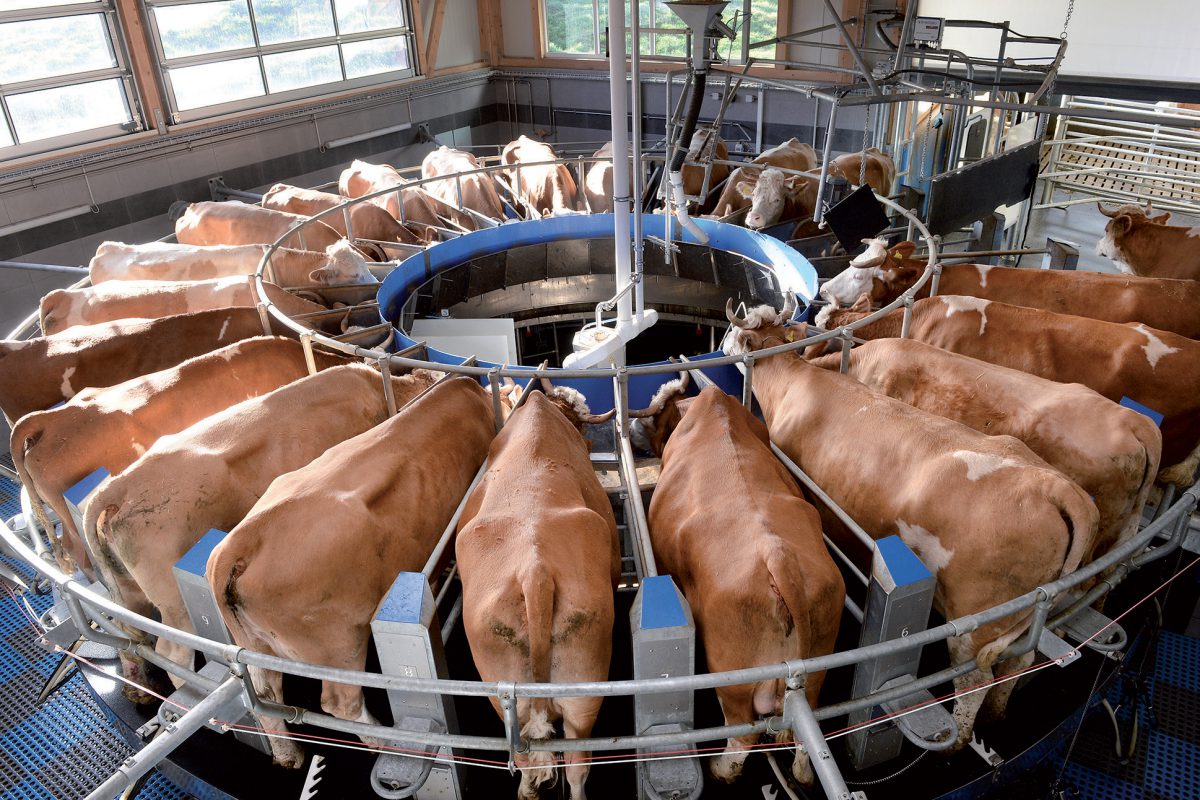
(460, 34)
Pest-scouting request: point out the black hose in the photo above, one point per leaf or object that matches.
(689, 121)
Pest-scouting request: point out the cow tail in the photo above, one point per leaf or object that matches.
(539, 618)
(1151, 440)
(25, 436)
(1083, 521)
(791, 612)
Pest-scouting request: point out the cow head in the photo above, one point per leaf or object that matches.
(770, 195)
(343, 265)
(835, 315)
(652, 425)
(1122, 221)
(880, 272)
(761, 324)
(573, 405)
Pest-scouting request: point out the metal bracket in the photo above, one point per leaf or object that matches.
(930, 727)
(1086, 626)
(1056, 649)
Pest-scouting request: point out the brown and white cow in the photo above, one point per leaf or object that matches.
(598, 184)
(233, 222)
(64, 308)
(303, 574)
(37, 373)
(140, 522)
(110, 427)
(1110, 451)
(419, 208)
(880, 170)
(1165, 303)
(773, 596)
(781, 193)
(162, 261)
(478, 191)
(706, 145)
(1156, 368)
(539, 558)
(548, 188)
(948, 491)
(367, 220)
(1143, 245)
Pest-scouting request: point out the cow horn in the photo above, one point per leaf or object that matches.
(660, 403)
(596, 419)
(547, 386)
(1105, 211)
(789, 305)
(732, 316)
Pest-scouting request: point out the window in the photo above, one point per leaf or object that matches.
(225, 55)
(577, 27)
(63, 80)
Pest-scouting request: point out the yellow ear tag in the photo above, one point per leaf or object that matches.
(791, 335)
(897, 255)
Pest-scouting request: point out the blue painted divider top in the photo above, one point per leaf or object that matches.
(1129, 402)
(660, 604)
(79, 492)
(195, 559)
(902, 563)
(403, 601)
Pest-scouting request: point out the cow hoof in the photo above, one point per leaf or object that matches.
(725, 769)
(289, 757)
(139, 696)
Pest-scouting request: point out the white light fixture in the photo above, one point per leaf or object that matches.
(362, 137)
(45, 219)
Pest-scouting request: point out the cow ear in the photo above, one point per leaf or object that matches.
(903, 250)
(1162, 218)
(745, 190)
(1122, 223)
(863, 303)
(321, 275)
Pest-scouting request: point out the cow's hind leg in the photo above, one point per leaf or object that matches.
(347, 702)
(269, 686)
(1183, 474)
(997, 699)
(579, 715)
(737, 703)
(966, 703)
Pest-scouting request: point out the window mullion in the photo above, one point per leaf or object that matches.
(337, 35)
(262, 67)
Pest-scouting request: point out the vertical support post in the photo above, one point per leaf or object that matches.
(847, 343)
(264, 317)
(408, 639)
(389, 394)
(818, 210)
(899, 597)
(497, 411)
(991, 236)
(906, 325)
(664, 645)
(309, 360)
(748, 382)
(799, 718)
(349, 224)
(1060, 254)
(206, 620)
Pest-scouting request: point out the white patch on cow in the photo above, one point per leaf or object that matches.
(228, 353)
(1194, 232)
(823, 316)
(982, 464)
(138, 450)
(758, 317)
(984, 269)
(573, 398)
(956, 303)
(67, 391)
(766, 201)
(16, 344)
(927, 546)
(1155, 347)
(346, 265)
(849, 284)
(224, 327)
(1107, 248)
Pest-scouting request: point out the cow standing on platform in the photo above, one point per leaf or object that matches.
(598, 185)
(162, 261)
(781, 196)
(91, 305)
(53, 450)
(367, 220)
(539, 558)
(232, 222)
(885, 273)
(706, 146)
(139, 523)
(549, 189)
(478, 192)
(1143, 245)
(767, 594)
(1110, 451)
(946, 490)
(879, 172)
(37, 373)
(1157, 369)
(418, 210)
(302, 575)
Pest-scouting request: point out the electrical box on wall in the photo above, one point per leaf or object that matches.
(927, 31)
